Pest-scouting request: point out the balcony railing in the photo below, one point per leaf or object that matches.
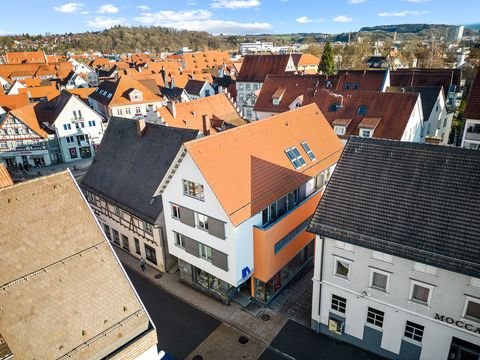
(472, 136)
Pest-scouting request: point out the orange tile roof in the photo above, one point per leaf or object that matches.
(40, 91)
(262, 172)
(29, 57)
(308, 59)
(182, 79)
(157, 66)
(10, 102)
(205, 59)
(189, 114)
(27, 115)
(82, 93)
(5, 178)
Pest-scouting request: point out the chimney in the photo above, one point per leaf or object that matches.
(206, 124)
(140, 127)
(171, 107)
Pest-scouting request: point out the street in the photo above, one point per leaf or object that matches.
(180, 326)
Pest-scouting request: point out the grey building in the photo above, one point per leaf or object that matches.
(132, 160)
(397, 262)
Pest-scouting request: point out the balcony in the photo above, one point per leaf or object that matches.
(276, 244)
(31, 147)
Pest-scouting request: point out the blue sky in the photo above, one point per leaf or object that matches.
(230, 16)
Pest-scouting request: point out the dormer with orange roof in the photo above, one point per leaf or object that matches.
(237, 203)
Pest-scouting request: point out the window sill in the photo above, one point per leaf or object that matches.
(380, 290)
(194, 197)
(412, 341)
(373, 326)
(469, 319)
(418, 302)
(338, 313)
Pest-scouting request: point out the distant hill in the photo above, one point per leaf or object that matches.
(403, 28)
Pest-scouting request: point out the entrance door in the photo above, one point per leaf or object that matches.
(463, 350)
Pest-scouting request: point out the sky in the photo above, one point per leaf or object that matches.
(230, 16)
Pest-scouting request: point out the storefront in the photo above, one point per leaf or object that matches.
(265, 292)
(463, 350)
(209, 282)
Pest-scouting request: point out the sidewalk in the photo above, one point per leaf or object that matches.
(78, 168)
(233, 314)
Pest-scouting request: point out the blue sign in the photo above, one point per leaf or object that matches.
(245, 272)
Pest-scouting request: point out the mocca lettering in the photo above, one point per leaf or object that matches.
(458, 323)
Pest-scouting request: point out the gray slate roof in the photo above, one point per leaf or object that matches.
(416, 201)
(127, 169)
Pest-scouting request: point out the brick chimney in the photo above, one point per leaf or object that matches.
(140, 127)
(206, 124)
(172, 108)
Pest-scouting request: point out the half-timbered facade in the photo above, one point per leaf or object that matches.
(134, 153)
(23, 141)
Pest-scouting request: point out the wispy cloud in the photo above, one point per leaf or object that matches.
(199, 20)
(342, 19)
(143, 7)
(108, 9)
(68, 8)
(356, 1)
(103, 22)
(306, 20)
(402, 13)
(235, 4)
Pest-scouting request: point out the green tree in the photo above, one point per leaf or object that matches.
(327, 65)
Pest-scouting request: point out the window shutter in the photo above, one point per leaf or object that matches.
(216, 228)
(191, 246)
(187, 216)
(220, 259)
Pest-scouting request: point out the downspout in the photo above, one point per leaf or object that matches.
(320, 285)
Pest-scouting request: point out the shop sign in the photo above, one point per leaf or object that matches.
(458, 323)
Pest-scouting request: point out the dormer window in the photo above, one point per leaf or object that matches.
(277, 96)
(346, 86)
(135, 95)
(366, 133)
(309, 151)
(362, 110)
(339, 130)
(355, 86)
(333, 107)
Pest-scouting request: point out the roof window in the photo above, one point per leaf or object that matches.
(346, 86)
(295, 157)
(309, 151)
(333, 107)
(362, 110)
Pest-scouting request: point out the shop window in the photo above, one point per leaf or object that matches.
(339, 304)
(342, 268)
(208, 281)
(150, 254)
(414, 331)
(375, 317)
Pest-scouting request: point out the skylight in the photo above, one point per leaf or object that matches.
(295, 157)
(309, 151)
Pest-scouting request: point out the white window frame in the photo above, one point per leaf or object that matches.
(343, 245)
(175, 211)
(424, 268)
(339, 130)
(381, 272)
(202, 219)
(409, 338)
(200, 189)
(378, 255)
(344, 261)
(422, 284)
(181, 241)
(362, 133)
(208, 252)
(464, 312)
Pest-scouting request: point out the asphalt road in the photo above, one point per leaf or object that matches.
(180, 326)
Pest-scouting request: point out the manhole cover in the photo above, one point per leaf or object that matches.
(197, 357)
(243, 340)
(265, 317)
(158, 276)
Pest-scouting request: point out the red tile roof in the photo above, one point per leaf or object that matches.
(472, 110)
(10, 102)
(426, 77)
(255, 68)
(5, 178)
(28, 57)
